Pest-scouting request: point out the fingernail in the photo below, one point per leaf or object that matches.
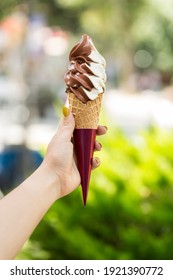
(66, 111)
(97, 161)
(99, 145)
(105, 127)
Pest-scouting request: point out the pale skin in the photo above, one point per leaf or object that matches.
(23, 208)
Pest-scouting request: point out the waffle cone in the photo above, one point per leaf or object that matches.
(86, 114)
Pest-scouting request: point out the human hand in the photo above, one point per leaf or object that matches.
(60, 158)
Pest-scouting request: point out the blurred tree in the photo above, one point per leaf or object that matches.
(119, 28)
(153, 32)
(7, 6)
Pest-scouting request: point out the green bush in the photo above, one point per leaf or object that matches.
(129, 213)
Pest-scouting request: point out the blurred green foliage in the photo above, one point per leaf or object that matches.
(129, 214)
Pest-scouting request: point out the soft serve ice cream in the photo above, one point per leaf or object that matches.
(86, 75)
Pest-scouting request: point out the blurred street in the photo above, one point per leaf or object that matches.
(135, 112)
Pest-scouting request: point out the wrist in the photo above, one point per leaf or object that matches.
(49, 182)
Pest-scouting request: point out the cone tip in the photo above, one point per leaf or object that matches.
(84, 200)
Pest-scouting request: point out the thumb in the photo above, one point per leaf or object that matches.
(67, 124)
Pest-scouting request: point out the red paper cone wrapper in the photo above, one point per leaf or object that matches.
(86, 121)
(84, 140)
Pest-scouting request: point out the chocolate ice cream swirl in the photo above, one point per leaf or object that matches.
(86, 75)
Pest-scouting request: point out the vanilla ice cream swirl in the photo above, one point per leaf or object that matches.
(86, 75)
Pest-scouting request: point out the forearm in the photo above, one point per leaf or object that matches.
(23, 208)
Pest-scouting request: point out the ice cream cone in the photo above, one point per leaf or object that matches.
(86, 121)
(86, 114)
(85, 85)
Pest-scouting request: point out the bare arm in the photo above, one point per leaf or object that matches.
(22, 209)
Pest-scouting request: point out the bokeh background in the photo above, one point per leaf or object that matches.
(129, 214)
